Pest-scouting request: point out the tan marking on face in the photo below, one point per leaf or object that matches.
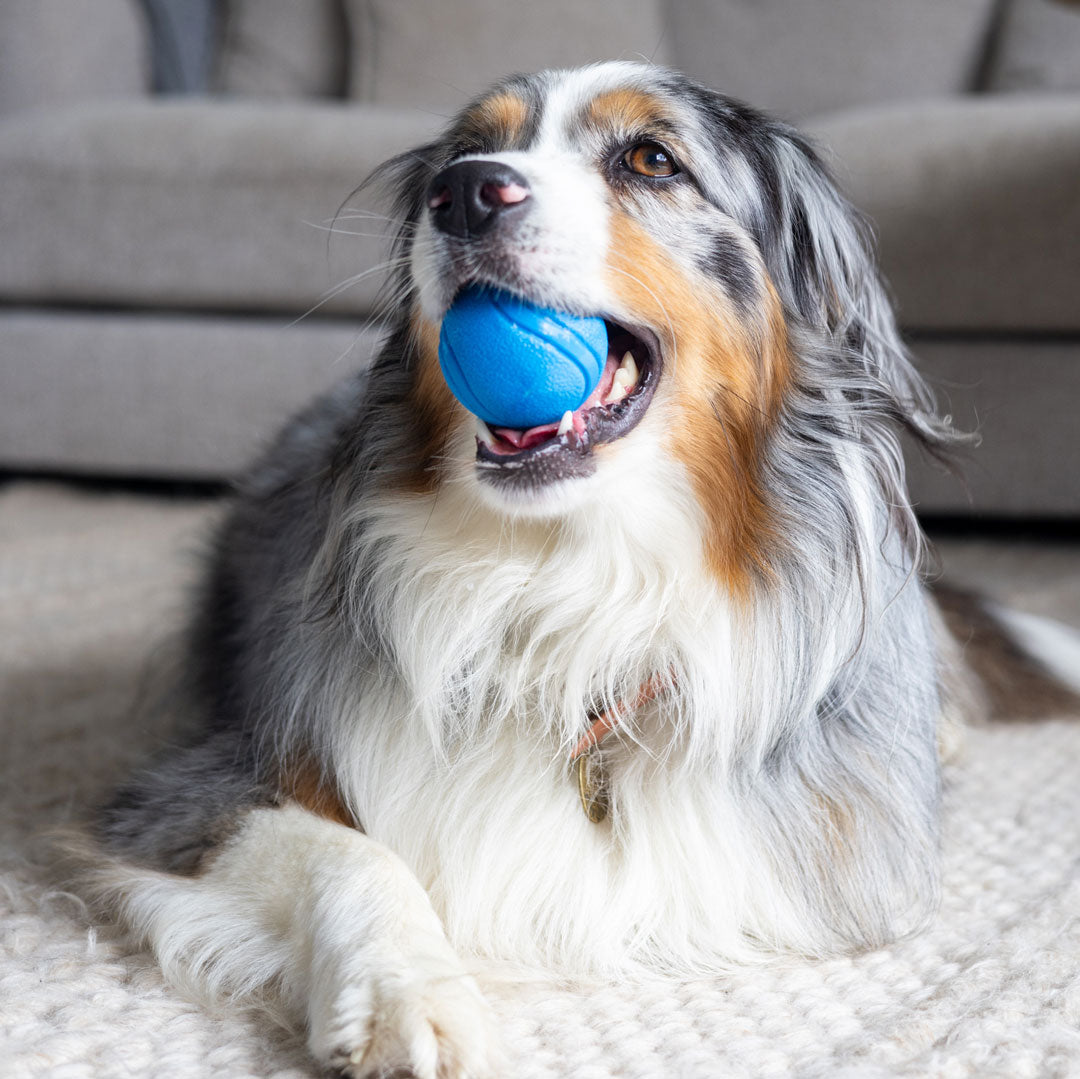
(624, 110)
(499, 119)
(725, 381)
(434, 410)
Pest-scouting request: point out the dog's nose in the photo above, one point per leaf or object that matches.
(469, 198)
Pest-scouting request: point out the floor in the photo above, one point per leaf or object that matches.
(92, 587)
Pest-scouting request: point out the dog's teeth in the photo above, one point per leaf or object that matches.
(626, 376)
(617, 391)
(483, 432)
(566, 423)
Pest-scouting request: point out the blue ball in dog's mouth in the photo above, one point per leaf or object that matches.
(515, 364)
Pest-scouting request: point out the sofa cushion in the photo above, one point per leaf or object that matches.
(1038, 47)
(281, 48)
(1020, 396)
(191, 204)
(977, 205)
(801, 57)
(54, 52)
(160, 395)
(436, 56)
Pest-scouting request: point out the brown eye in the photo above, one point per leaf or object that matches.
(649, 159)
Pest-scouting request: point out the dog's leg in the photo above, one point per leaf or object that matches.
(333, 921)
(1021, 666)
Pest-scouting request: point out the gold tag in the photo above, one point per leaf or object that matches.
(590, 779)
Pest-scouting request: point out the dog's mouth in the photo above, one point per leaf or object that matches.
(563, 449)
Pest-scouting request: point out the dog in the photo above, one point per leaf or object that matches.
(658, 687)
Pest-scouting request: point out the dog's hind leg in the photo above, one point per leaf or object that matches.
(1022, 666)
(332, 924)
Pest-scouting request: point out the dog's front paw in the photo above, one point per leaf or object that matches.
(431, 1024)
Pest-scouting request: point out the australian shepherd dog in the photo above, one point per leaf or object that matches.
(656, 687)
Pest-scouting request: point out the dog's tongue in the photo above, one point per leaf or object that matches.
(523, 440)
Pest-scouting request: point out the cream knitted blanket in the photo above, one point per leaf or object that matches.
(90, 587)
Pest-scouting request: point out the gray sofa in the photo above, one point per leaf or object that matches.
(157, 251)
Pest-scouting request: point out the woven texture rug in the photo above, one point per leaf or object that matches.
(92, 585)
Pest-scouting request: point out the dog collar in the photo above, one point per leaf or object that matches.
(584, 758)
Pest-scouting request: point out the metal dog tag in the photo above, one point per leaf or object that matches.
(594, 795)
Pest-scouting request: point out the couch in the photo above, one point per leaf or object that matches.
(171, 287)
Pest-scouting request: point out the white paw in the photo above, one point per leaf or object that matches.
(414, 1021)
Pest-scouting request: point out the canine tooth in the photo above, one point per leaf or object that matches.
(566, 423)
(616, 393)
(483, 432)
(629, 365)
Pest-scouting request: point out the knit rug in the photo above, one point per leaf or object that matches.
(92, 586)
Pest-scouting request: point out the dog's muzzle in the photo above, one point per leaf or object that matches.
(476, 205)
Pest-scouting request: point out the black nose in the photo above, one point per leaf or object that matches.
(469, 198)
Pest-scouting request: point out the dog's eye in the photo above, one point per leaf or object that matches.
(650, 159)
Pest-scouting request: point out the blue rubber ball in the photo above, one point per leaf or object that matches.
(517, 365)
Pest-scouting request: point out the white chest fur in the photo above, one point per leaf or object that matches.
(461, 764)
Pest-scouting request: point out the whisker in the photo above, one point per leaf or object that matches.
(663, 309)
(352, 215)
(727, 438)
(336, 231)
(348, 283)
(745, 400)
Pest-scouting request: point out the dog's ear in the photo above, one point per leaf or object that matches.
(819, 251)
(818, 248)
